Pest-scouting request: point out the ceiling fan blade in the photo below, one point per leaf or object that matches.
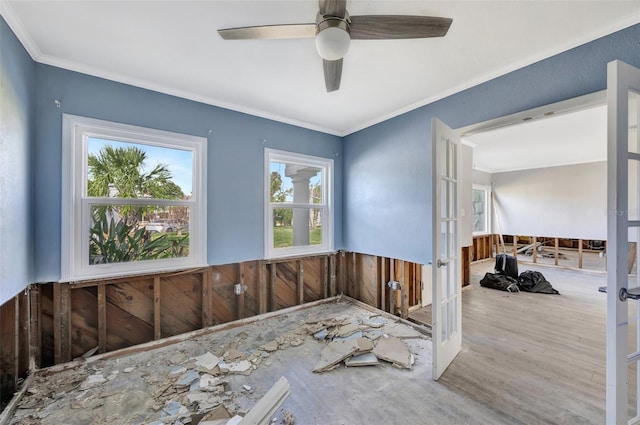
(333, 8)
(269, 32)
(379, 27)
(332, 74)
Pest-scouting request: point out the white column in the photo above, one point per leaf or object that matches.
(300, 177)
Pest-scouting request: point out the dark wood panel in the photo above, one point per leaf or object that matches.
(129, 313)
(224, 300)
(313, 278)
(286, 285)
(367, 279)
(84, 320)
(251, 296)
(7, 349)
(45, 292)
(180, 304)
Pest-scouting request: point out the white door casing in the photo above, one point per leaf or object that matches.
(623, 226)
(446, 267)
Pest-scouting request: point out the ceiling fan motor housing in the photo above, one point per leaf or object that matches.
(333, 37)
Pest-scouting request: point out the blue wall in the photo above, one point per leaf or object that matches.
(385, 207)
(17, 79)
(387, 179)
(235, 159)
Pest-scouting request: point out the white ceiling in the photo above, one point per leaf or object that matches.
(173, 47)
(572, 138)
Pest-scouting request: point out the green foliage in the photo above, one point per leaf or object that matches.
(283, 237)
(281, 216)
(115, 241)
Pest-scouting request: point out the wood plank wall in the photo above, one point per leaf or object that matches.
(53, 323)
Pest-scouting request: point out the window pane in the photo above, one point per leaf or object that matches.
(479, 210)
(297, 227)
(134, 170)
(295, 183)
(125, 233)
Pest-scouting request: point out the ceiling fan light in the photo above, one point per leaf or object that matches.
(333, 42)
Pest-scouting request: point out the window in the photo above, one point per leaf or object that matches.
(481, 205)
(134, 200)
(298, 204)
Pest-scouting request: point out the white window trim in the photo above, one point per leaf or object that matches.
(75, 225)
(271, 155)
(487, 208)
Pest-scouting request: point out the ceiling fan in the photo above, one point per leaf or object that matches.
(335, 28)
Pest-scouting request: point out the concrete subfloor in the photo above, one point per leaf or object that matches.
(359, 395)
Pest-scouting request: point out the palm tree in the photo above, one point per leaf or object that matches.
(122, 169)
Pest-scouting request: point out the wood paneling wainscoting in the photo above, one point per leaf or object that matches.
(52, 323)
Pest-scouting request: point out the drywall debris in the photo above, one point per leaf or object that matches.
(334, 353)
(400, 330)
(288, 418)
(216, 414)
(355, 335)
(374, 321)
(92, 381)
(269, 347)
(372, 334)
(207, 361)
(242, 367)
(320, 335)
(364, 345)
(366, 359)
(348, 329)
(393, 350)
(187, 379)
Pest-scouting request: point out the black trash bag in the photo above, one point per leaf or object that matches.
(499, 281)
(530, 281)
(507, 264)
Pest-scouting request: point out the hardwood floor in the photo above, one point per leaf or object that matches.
(535, 358)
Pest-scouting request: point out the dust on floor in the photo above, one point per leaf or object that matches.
(210, 378)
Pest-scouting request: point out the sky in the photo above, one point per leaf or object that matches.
(179, 162)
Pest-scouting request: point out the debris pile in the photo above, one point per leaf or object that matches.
(361, 341)
(206, 381)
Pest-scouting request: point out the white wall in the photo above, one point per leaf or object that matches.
(482, 178)
(466, 185)
(567, 202)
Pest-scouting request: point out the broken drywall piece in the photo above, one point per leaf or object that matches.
(322, 334)
(217, 413)
(400, 330)
(92, 381)
(263, 410)
(334, 353)
(242, 367)
(364, 345)
(348, 329)
(393, 350)
(366, 359)
(178, 370)
(269, 347)
(374, 321)
(207, 360)
(372, 334)
(188, 378)
(355, 335)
